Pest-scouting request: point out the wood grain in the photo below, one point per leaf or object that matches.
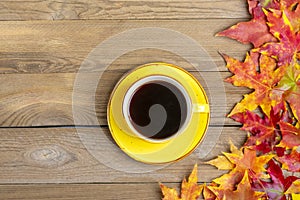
(42, 46)
(39, 64)
(57, 155)
(147, 191)
(116, 9)
(46, 99)
(61, 46)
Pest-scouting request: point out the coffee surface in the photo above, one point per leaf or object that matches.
(157, 110)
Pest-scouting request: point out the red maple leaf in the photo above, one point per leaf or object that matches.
(290, 161)
(277, 185)
(254, 31)
(264, 133)
(290, 136)
(288, 46)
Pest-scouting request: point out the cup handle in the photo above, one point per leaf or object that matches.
(201, 108)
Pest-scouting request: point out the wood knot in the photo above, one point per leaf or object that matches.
(49, 156)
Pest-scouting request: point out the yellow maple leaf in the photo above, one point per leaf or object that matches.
(190, 190)
(222, 162)
(239, 161)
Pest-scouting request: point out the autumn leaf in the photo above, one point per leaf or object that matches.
(270, 114)
(229, 180)
(243, 160)
(289, 4)
(294, 188)
(207, 193)
(190, 189)
(262, 129)
(254, 31)
(288, 46)
(290, 136)
(292, 13)
(222, 163)
(243, 191)
(169, 193)
(289, 88)
(264, 132)
(263, 82)
(250, 161)
(277, 186)
(290, 161)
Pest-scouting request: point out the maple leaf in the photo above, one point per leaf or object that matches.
(208, 194)
(289, 88)
(229, 180)
(290, 136)
(190, 189)
(249, 161)
(243, 160)
(221, 162)
(278, 184)
(272, 70)
(264, 134)
(169, 193)
(292, 12)
(288, 46)
(244, 191)
(290, 161)
(294, 188)
(289, 4)
(254, 31)
(263, 82)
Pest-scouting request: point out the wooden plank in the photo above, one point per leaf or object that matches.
(46, 99)
(61, 46)
(147, 191)
(116, 9)
(57, 155)
(45, 56)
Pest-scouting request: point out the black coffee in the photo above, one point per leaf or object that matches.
(158, 110)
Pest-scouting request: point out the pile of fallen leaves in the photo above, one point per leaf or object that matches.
(267, 166)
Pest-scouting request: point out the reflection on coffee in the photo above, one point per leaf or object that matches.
(158, 110)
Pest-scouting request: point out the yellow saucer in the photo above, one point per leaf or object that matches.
(179, 146)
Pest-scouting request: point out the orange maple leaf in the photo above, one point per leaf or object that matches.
(243, 191)
(207, 193)
(241, 160)
(263, 81)
(190, 190)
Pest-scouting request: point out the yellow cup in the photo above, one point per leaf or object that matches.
(152, 143)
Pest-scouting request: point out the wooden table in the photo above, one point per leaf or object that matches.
(42, 46)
